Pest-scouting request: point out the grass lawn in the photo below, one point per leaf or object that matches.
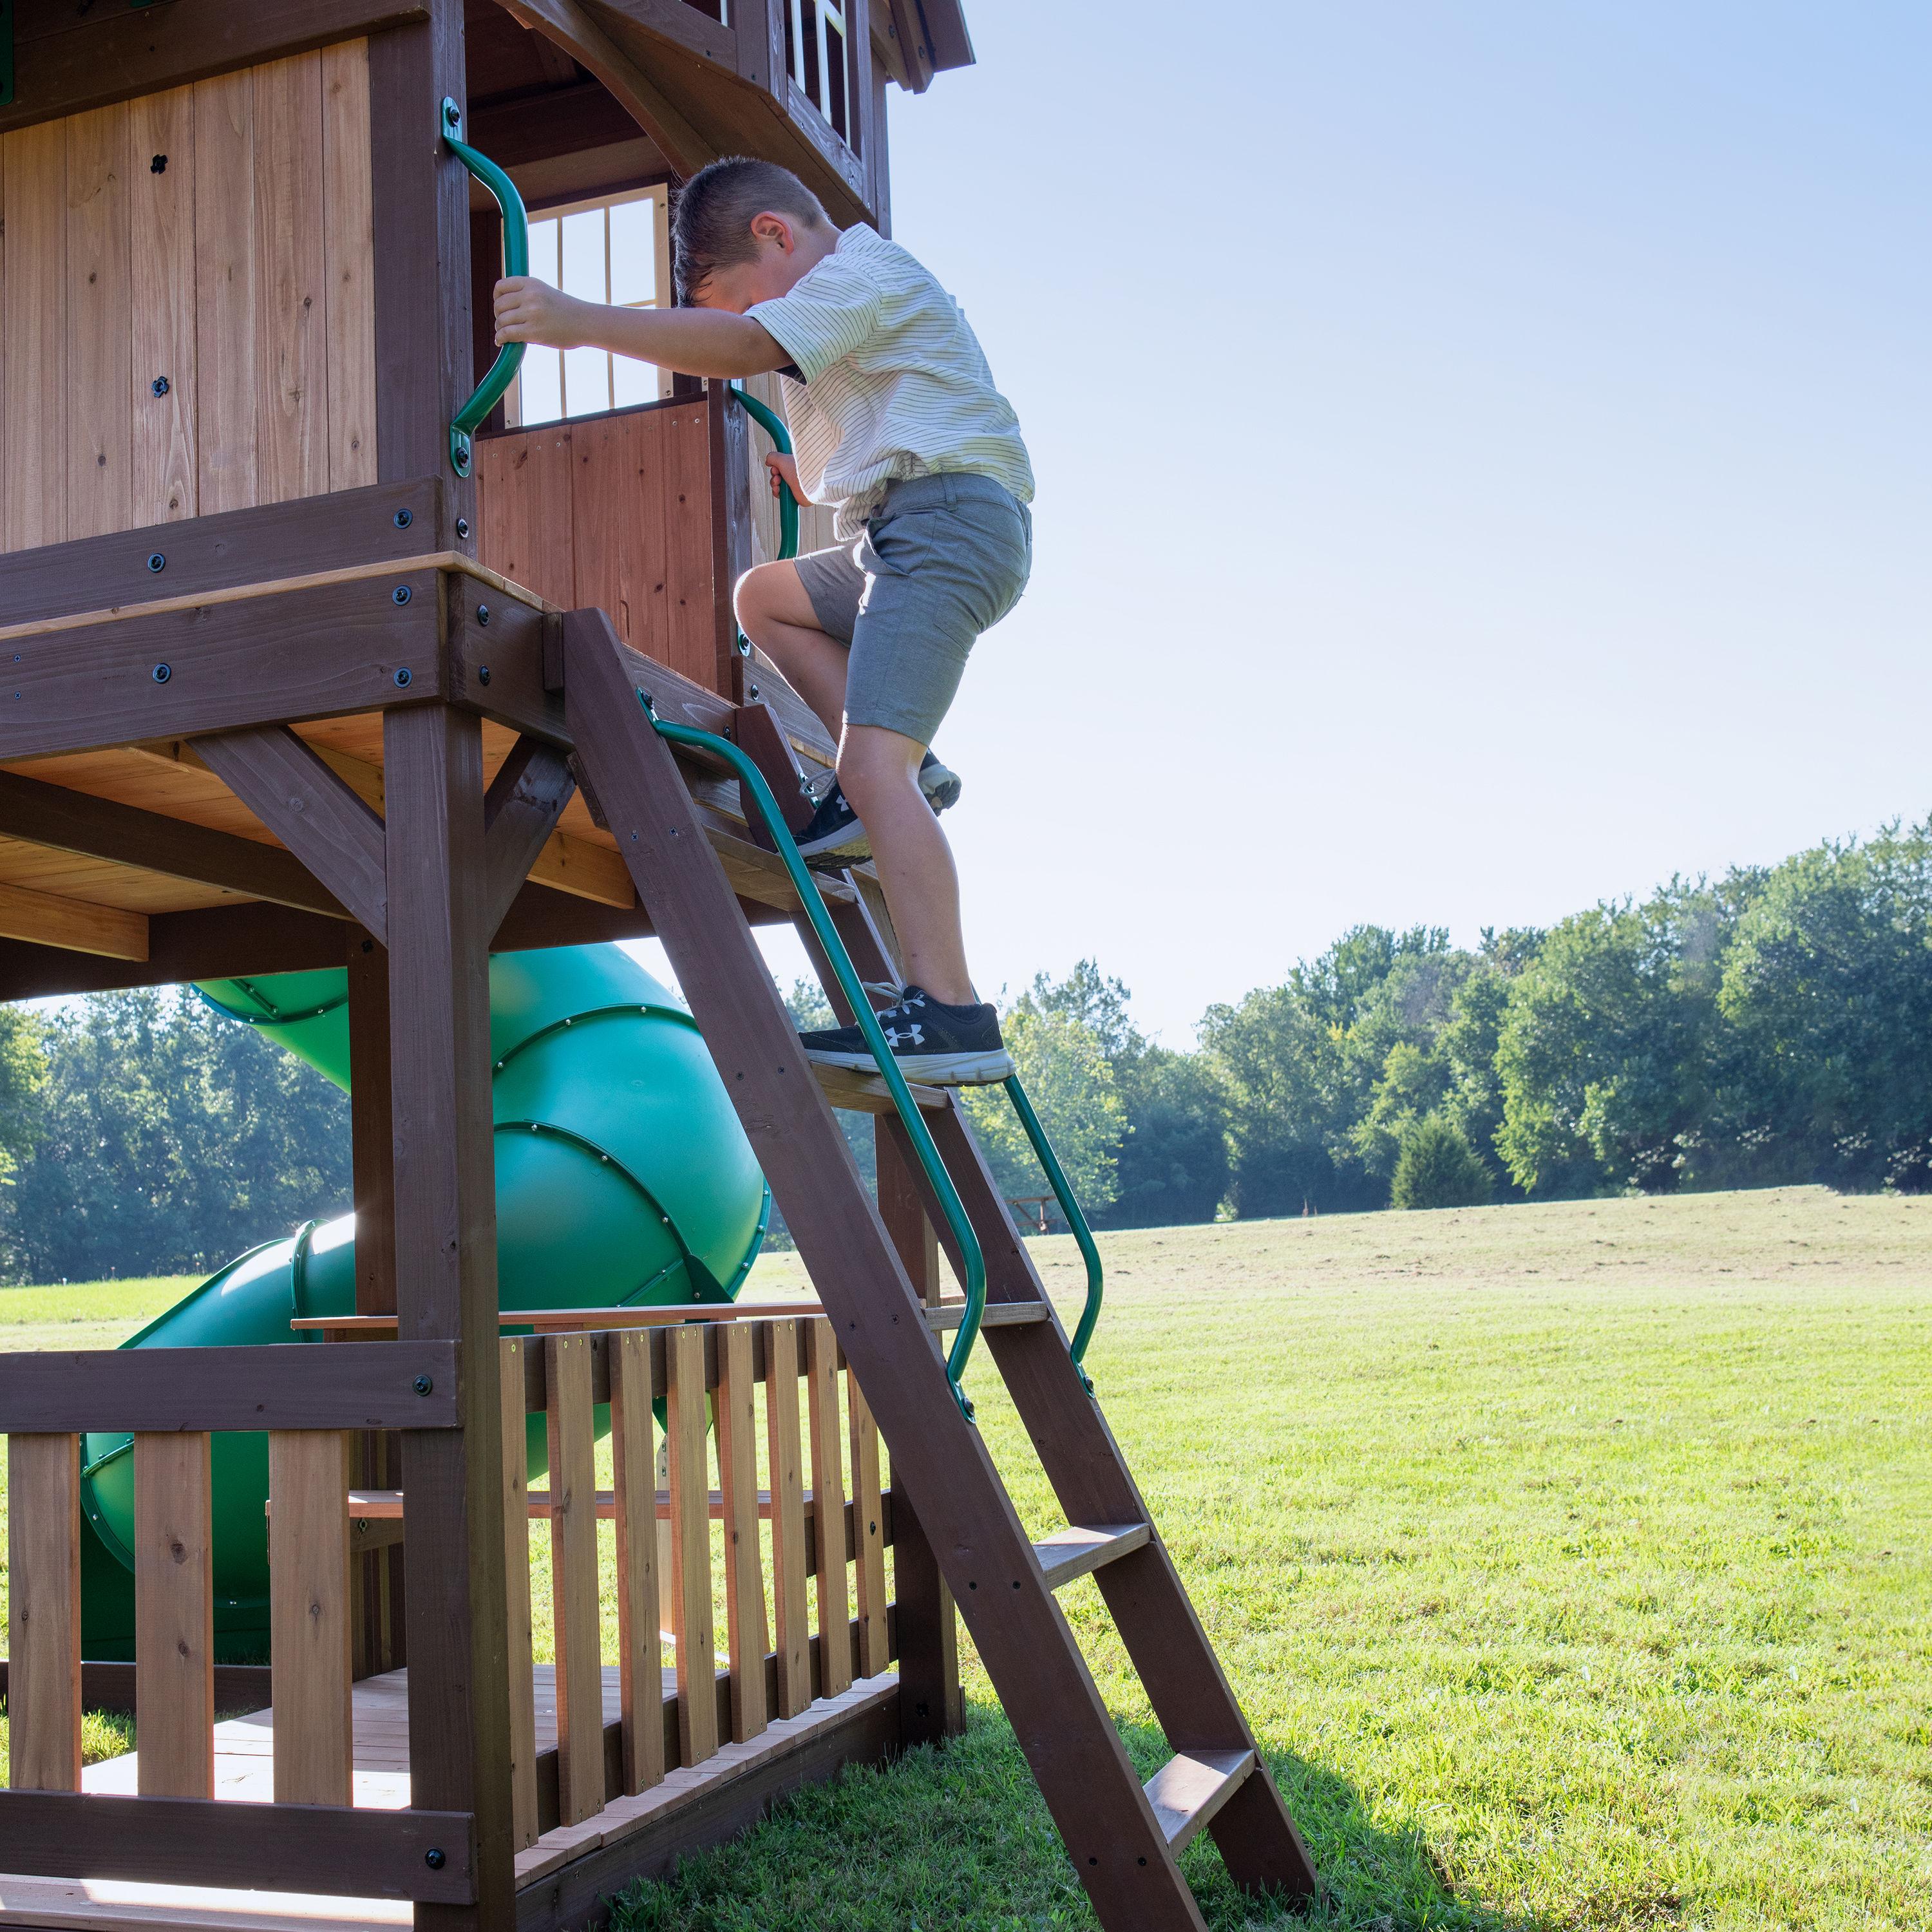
(1570, 1562)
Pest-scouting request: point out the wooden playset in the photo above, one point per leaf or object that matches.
(314, 649)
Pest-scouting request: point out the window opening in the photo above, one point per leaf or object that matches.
(617, 250)
(815, 53)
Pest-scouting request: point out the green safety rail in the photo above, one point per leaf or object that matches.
(773, 426)
(1070, 1206)
(516, 262)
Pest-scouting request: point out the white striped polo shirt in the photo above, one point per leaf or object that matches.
(895, 383)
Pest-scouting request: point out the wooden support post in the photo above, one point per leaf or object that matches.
(744, 1572)
(174, 1616)
(459, 1747)
(687, 1413)
(43, 1569)
(640, 1639)
(573, 1578)
(828, 1509)
(308, 1616)
(730, 441)
(785, 1454)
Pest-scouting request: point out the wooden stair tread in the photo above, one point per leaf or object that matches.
(1072, 1553)
(1187, 1791)
(995, 1315)
(867, 1093)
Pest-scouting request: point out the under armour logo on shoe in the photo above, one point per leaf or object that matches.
(914, 1036)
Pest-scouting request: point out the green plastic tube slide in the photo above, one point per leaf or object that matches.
(622, 1178)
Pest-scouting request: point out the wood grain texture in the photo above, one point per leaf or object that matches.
(573, 1569)
(174, 1614)
(520, 1634)
(291, 375)
(100, 307)
(737, 1410)
(868, 1514)
(689, 642)
(790, 1554)
(225, 304)
(165, 482)
(531, 788)
(686, 1421)
(316, 816)
(525, 503)
(308, 1615)
(616, 507)
(33, 371)
(75, 925)
(43, 1612)
(460, 1752)
(373, 1153)
(349, 251)
(640, 1645)
(828, 1494)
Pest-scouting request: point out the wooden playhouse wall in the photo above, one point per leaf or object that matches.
(240, 273)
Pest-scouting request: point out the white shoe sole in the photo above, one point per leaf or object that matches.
(930, 1069)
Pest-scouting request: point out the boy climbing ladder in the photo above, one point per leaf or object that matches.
(898, 428)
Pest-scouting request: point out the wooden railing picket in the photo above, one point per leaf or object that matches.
(687, 1417)
(640, 1645)
(174, 1616)
(309, 1602)
(828, 1504)
(785, 1454)
(573, 1546)
(868, 1512)
(44, 1571)
(744, 1568)
(512, 1354)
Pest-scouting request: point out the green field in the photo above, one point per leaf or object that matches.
(1571, 1562)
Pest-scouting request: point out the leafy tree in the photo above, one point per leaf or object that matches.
(1438, 1168)
(1173, 1164)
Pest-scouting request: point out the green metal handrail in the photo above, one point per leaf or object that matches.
(773, 426)
(1062, 1192)
(967, 1243)
(516, 262)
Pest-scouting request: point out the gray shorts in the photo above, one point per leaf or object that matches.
(943, 558)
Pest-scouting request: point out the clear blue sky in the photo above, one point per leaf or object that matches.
(1484, 460)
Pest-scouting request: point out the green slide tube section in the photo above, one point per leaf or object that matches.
(623, 1179)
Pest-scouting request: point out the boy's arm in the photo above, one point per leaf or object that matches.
(693, 341)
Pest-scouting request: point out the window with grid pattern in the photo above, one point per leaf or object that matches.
(615, 251)
(815, 50)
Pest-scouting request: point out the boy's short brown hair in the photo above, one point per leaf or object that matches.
(712, 226)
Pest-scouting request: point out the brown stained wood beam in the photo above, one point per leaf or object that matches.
(303, 538)
(756, 732)
(311, 811)
(75, 925)
(531, 788)
(410, 1383)
(102, 828)
(332, 1849)
(571, 26)
(60, 68)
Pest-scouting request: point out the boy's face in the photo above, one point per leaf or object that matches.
(785, 251)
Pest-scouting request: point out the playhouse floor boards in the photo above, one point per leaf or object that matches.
(243, 1772)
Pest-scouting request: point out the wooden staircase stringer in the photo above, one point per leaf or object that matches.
(1119, 1847)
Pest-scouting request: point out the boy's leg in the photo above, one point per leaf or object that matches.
(878, 771)
(775, 612)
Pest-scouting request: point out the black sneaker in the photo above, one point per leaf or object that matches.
(943, 1045)
(833, 832)
(940, 783)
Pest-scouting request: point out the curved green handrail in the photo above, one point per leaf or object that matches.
(753, 780)
(516, 262)
(773, 426)
(1062, 1192)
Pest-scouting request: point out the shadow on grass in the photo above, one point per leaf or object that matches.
(959, 1840)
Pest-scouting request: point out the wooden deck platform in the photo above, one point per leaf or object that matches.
(558, 1878)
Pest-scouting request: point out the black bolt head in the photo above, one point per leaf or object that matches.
(403, 678)
(482, 613)
(157, 563)
(434, 1858)
(163, 673)
(751, 691)
(422, 1384)
(403, 519)
(159, 386)
(400, 595)
(482, 673)
(463, 526)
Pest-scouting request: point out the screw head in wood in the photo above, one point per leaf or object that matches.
(422, 1384)
(159, 165)
(403, 519)
(157, 563)
(463, 526)
(163, 673)
(160, 385)
(434, 1858)
(400, 595)
(403, 678)
(482, 673)
(482, 613)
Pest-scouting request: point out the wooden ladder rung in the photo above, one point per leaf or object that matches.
(1068, 1553)
(866, 1093)
(1191, 1787)
(996, 1315)
(386, 1505)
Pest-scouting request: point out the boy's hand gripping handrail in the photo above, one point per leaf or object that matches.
(1062, 1192)
(773, 426)
(516, 262)
(967, 1243)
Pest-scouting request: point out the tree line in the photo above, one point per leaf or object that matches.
(1774, 1026)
